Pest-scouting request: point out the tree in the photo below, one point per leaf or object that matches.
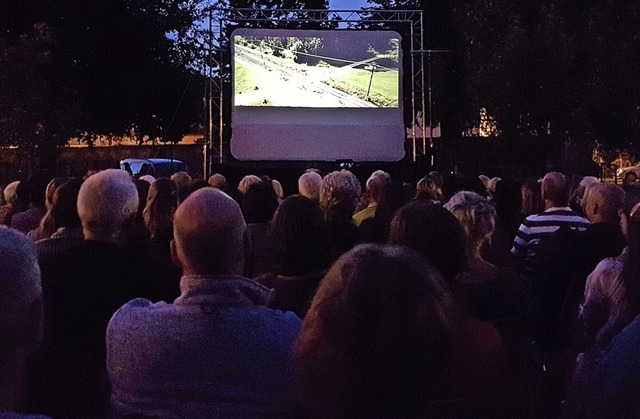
(36, 114)
(116, 55)
(552, 69)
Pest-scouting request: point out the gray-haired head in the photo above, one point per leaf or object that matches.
(106, 201)
(20, 293)
(309, 185)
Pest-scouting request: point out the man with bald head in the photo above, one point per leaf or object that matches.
(83, 286)
(217, 351)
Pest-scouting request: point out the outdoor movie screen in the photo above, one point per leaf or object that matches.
(316, 95)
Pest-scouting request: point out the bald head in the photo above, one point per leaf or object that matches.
(208, 234)
(555, 190)
(603, 203)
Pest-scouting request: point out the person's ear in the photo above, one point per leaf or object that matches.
(174, 254)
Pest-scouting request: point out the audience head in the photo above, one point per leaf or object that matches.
(217, 181)
(578, 196)
(277, 187)
(142, 187)
(65, 204)
(208, 234)
(183, 184)
(309, 185)
(555, 190)
(603, 203)
(162, 202)
(259, 203)
(48, 225)
(246, 182)
(434, 233)
(10, 194)
(107, 202)
(339, 193)
(148, 178)
(375, 183)
(476, 216)
(299, 238)
(38, 183)
(428, 189)
(20, 290)
(21, 313)
(393, 196)
(23, 191)
(507, 200)
(629, 178)
(181, 179)
(532, 202)
(52, 186)
(437, 178)
(630, 206)
(197, 183)
(378, 337)
(489, 185)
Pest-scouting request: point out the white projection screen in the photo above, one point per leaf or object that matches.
(321, 95)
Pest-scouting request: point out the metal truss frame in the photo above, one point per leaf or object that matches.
(219, 73)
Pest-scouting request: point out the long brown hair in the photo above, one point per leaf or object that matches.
(378, 337)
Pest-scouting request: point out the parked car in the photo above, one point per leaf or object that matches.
(631, 173)
(154, 167)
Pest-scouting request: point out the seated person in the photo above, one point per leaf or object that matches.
(20, 316)
(299, 243)
(217, 351)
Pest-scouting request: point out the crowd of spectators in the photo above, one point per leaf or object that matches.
(180, 297)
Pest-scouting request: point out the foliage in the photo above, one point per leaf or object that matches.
(35, 113)
(116, 55)
(553, 69)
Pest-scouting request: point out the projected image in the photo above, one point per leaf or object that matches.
(316, 69)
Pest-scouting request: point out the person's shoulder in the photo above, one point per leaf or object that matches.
(136, 311)
(608, 265)
(278, 316)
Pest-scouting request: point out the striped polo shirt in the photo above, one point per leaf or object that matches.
(536, 227)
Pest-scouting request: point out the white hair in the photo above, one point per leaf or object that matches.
(10, 192)
(375, 183)
(309, 185)
(246, 182)
(148, 178)
(105, 202)
(277, 188)
(476, 215)
(20, 286)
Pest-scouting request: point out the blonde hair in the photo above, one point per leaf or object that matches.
(476, 215)
(428, 188)
(338, 195)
